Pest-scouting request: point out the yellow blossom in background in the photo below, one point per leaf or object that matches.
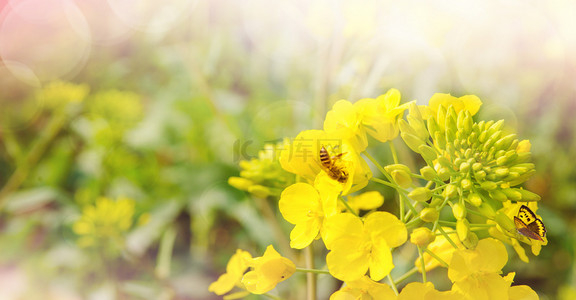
(345, 122)
(119, 108)
(59, 93)
(380, 116)
(364, 289)
(365, 201)
(356, 246)
(267, 271)
(302, 205)
(237, 265)
(426, 291)
(104, 224)
(470, 103)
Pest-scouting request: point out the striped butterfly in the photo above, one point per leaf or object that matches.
(528, 225)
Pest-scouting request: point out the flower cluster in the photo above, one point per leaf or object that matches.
(263, 176)
(103, 226)
(473, 170)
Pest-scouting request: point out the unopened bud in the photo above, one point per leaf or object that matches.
(429, 214)
(501, 172)
(471, 242)
(427, 152)
(498, 195)
(512, 194)
(411, 140)
(488, 185)
(444, 174)
(422, 236)
(459, 211)
(464, 167)
(259, 191)
(462, 229)
(528, 196)
(466, 184)
(475, 199)
(428, 173)
(420, 194)
(505, 222)
(240, 183)
(450, 191)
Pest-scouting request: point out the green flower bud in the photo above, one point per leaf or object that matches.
(436, 202)
(428, 173)
(450, 191)
(401, 174)
(429, 214)
(475, 199)
(422, 236)
(466, 184)
(498, 195)
(427, 152)
(504, 221)
(459, 211)
(462, 229)
(444, 174)
(411, 140)
(420, 194)
(477, 167)
(512, 194)
(505, 142)
(471, 242)
(528, 196)
(432, 126)
(488, 185)
(439, 139)
(464, 167)
(259, 191)
(501, 172)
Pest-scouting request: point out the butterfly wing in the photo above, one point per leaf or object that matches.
(537, 227)
(526, 214)
(524, 230)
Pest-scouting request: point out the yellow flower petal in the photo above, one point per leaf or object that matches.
(341, 229)
(366, 201)
(347, 265)
(304, 233)
(380, 260)
(268, 271)
(299, 202)
(522, 292)
(386, 226)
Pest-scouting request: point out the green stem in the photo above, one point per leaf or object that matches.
(447, 237)
(436, 257)
(406, 275)
(392, 284)
(347, 206)
(315, 271)
(386, 183)
(393, 151)
(414, 222)
(272, 296)
(38, 149)
(375, 162)
(422, 264)
(310, 276)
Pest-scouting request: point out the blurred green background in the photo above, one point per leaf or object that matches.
(160, 101)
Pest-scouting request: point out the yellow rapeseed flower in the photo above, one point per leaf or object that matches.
(363, 289)
(304, 206)
(476, 273)
(426, 291)
(59, 93)
(344, 122)
(302, 157)
(237, 265)
(470, 103)
(105, 224)
(356, 246)
(365, 201)
(380, 116)
(267, 271)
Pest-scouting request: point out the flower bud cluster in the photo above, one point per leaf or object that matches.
(263, 175)
(478, 160)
